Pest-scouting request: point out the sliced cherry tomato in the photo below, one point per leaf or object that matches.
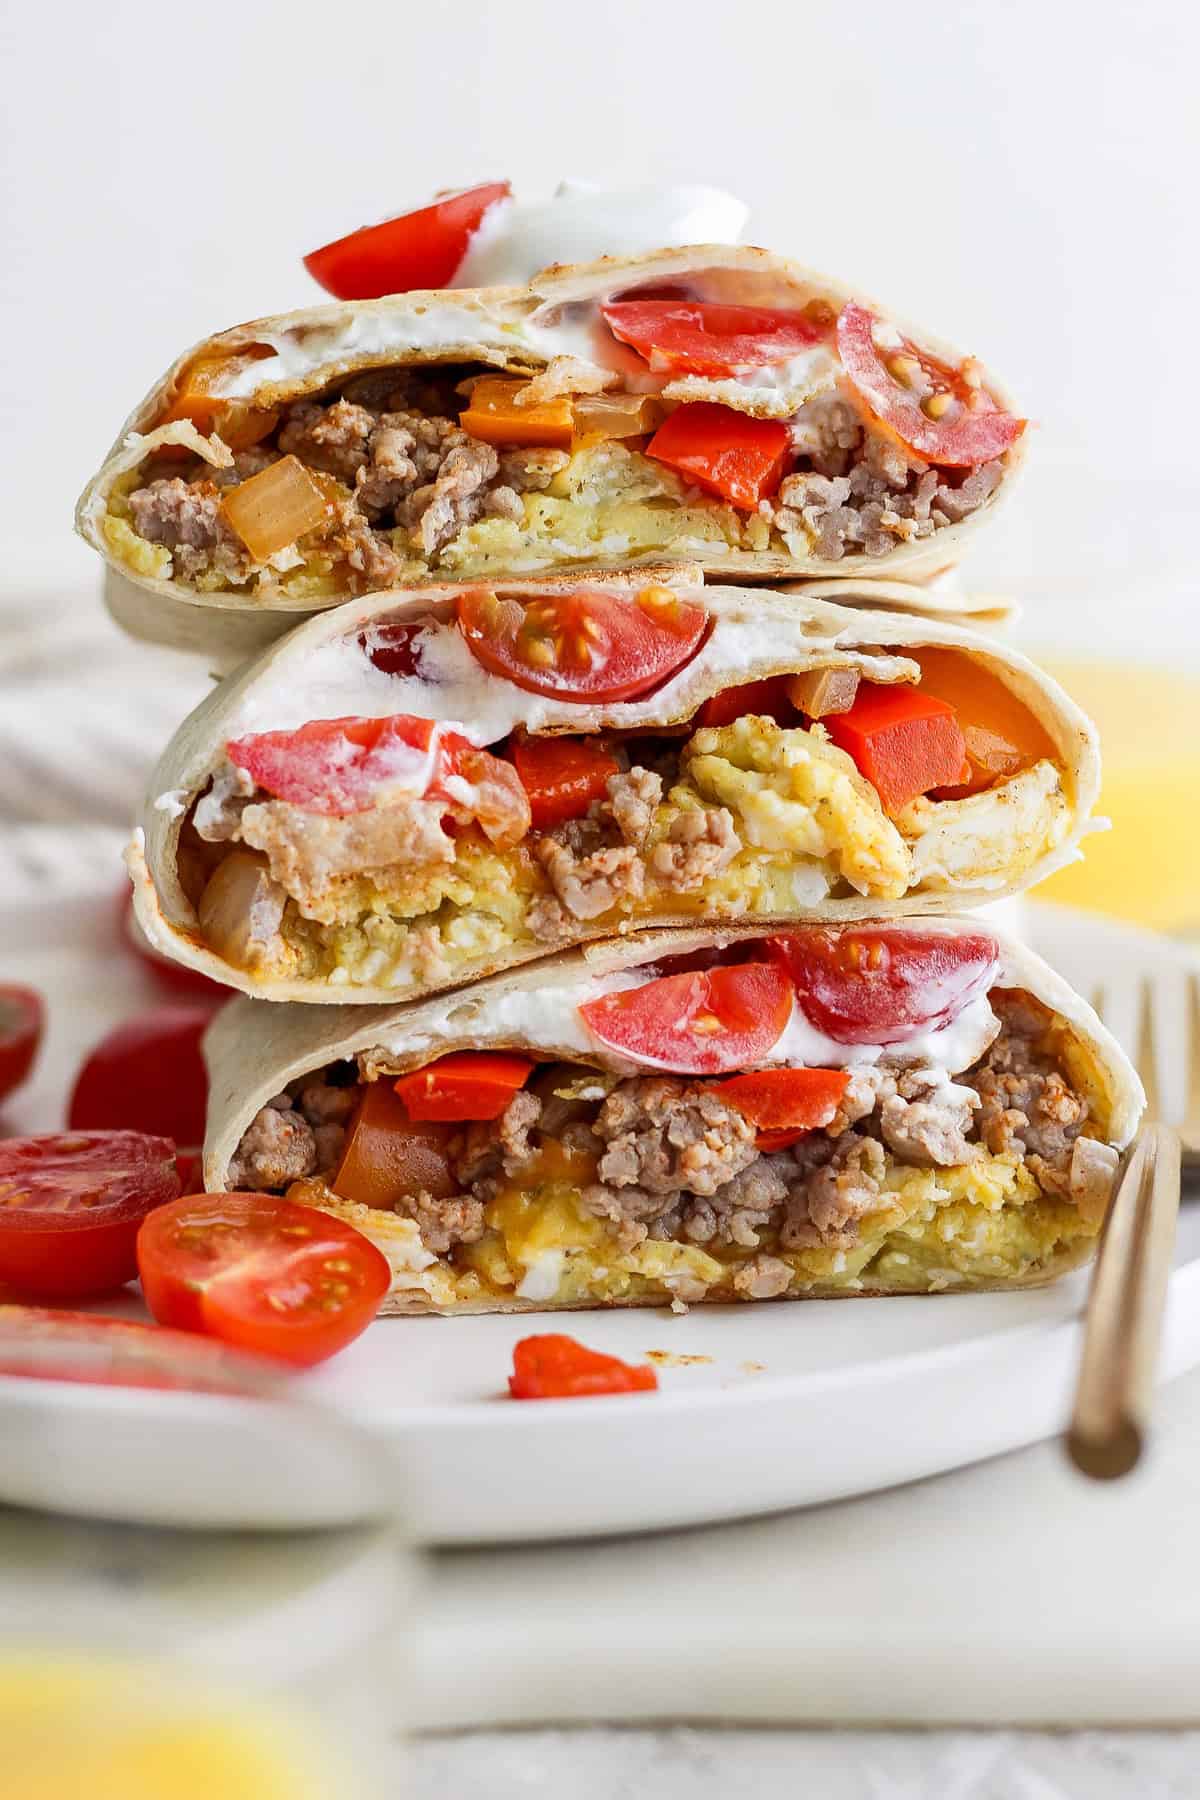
(352, 765)
(260, 1273)
(562, 776)
(22, 1022)
(769, 697)
(147, 1075)
(724, 452)
(786, 1100)
(704, 1023)
(552, 1366)
(473, 1084)
(903, 740)
(588, 645)
(106, 1352)
(944, 414)
(392, 646)
(699, 337)
(420, 249)
(168, 974)
(190, 1163)
(387, 1156)
(71, 1204)
(881, 985)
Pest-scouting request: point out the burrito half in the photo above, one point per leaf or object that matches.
(695, 1115)
(718, 403)
(406, 795)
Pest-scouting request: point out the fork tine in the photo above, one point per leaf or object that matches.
(1144, 1059)
(1191, 1113)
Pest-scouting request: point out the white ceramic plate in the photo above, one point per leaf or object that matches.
(761, 1408)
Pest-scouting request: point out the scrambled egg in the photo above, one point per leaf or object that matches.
(795, 791)
(988, 838)
(977, 1225)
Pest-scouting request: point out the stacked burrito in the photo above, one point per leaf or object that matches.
(594, 809)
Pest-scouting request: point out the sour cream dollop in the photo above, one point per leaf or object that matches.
(583, 222)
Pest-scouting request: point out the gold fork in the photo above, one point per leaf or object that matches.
(1158, 1044)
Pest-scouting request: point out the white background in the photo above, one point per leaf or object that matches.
(1019, 173)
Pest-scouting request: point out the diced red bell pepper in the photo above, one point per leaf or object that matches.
(787, 1100)
(904, 741)
(562, 776)
(473, 1084)
(769, 697)
(552, 1366)
(725, 452)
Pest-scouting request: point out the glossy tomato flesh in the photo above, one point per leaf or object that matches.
(147, 1075)
(879, 984)
(588, 645)
(260, 1273)
(552, 1366)
(22, 1022)
(699, 337)
(562, 776)
(943, 413)
(421, 249)
(70, 1207)
(703, 1023)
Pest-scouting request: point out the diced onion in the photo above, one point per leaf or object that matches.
(241, 910)
(617, 415)
(275, 507)
(821, 692)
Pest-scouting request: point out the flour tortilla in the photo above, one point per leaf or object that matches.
(829, 634)
(505, 328)
(254, 1050)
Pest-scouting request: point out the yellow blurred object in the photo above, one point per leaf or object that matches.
(75, 1726)
(1147, 868)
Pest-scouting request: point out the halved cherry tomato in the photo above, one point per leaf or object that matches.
(71, 1204)
(786, 1101)
(168, 974)
(258, 1272)
(472, 1084)
(562, 776)
(704, 1023)
(723, 451)
(351, 765)
(22, 1021)
(946, 415)
(586, 645)
(699, 337)
(107, 1352)
(387, 1156)
(903, 740)
(189, 1160)
(552, 1366)
(880, 985)
(147, 1075)
(769, 697)
(392, 646)
(421, 249)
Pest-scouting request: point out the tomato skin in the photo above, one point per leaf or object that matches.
(421, 249)
(344, 766)
(128, 1341)
(786, 1100)
(726, 453)
(881, 984)
(972, 429)
(769, 697)
(22, 1022)
(470, 1084)
(698, 337)
(70, 1207)
(903, 741)
(386, 1155)
(703, 1023)
(588, 645)
(260, 1273)
(562, 776)
(552, 1366)
(148, 1074)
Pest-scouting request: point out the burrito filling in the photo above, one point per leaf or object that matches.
(658, 429)
(395, 852)
(962, 1152)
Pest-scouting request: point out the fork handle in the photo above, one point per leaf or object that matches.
(1125, 1309)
